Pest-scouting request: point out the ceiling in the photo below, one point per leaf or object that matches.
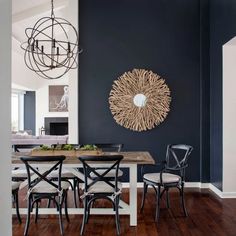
(25, 13)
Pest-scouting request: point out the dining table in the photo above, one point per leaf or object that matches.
(130, 161)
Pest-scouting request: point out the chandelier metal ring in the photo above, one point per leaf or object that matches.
(50, 50)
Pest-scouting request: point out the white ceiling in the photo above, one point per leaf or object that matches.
(25, 13)
(22, 5)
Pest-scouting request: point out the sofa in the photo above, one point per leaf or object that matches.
(26, 138)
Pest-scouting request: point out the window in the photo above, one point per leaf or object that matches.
(17, 110)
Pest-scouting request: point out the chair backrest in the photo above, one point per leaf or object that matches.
(177, 156)
(89, 166)
(24, 147)
(110, 147)
(56, 164)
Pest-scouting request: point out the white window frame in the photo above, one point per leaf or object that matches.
(20, 94)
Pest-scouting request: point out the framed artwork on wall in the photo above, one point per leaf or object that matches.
(58, 98)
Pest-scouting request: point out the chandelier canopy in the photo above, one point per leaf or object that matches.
(51, 49)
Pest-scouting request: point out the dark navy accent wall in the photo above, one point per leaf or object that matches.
(222, 29)
(158, 35)
(29, 111)
(204, 91)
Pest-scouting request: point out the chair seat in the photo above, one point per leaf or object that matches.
(15, 185)
(102, 187)
(45, 187)
(166, 178)
(64, 174)
(110, 174)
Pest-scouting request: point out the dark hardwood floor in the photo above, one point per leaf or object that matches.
(208, 216)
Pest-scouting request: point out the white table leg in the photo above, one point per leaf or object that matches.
(133, 194)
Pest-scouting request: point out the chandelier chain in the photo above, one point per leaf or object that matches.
(52, 11)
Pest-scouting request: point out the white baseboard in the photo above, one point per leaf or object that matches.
(222, 194)
(197, 185)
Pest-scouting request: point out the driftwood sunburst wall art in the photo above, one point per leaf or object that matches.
(139, 100)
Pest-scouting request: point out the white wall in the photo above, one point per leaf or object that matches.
(42, 103)
(5, 124)
(72, 16)
(21, 75)
(229, 116)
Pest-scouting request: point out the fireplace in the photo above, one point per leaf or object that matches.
(56, 125)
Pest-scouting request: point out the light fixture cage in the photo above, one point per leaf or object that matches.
(51, 49)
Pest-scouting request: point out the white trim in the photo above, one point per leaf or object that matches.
(222, 194)
(196, 185)
(18, 91)
(187, 185)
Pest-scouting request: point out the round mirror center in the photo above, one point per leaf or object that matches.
(140, 100)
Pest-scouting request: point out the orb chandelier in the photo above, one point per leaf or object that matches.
(51, 49)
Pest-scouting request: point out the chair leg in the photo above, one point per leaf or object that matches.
(117, 215)
(84, 216)
(74, 191)
(78, 190)
(17, 206)
(60, 218)
(182, 200)
(145, 186)
(66, 209)
(158, 203)
(28, 216)
(167, 198)
(89, 204)
(37, 212)
(49, 203)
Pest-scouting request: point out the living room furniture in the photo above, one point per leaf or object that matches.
(39, 140)
(177, 156)
(42, 187)
(101, 187)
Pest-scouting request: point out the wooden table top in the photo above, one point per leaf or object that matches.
(140, 157)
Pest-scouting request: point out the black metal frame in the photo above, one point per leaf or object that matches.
(166, 167)
(16, 202)
(35, 198)
(75, 179)
(16, 148)
(89, 198)
(114, 146)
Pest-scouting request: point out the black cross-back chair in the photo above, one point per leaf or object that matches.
(43, 187)
(172, 174)
(109, 147)
(101, 187)
(67, 176)
(19, 147)
(15, 189)
(115, 147)
(20, 174)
